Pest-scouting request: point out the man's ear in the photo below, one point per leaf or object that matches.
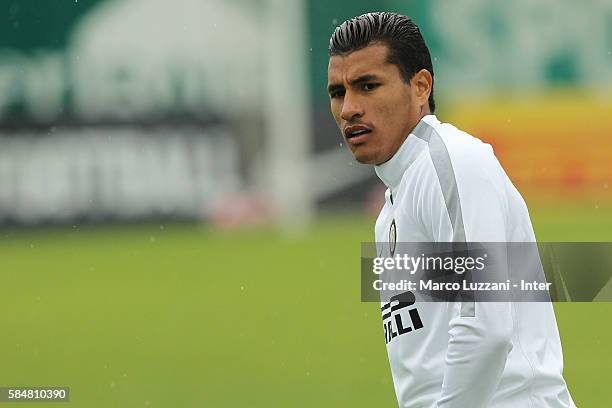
(422, 82)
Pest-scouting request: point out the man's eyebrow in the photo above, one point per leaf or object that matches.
(363, 78)
(359, 80)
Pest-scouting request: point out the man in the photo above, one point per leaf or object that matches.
(443, 186)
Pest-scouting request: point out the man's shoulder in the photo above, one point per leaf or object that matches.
(457, 141)
(454, 159)
(463, 150)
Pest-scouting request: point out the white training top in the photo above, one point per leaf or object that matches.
(447, 186)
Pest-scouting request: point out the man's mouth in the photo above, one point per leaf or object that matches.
(356, 134)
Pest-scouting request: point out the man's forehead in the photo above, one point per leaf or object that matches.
(360, 62)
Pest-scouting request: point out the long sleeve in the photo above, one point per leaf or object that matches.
(448, 187)
(479, 333)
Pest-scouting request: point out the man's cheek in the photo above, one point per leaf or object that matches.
(338, 120)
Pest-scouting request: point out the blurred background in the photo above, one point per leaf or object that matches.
(181, 223)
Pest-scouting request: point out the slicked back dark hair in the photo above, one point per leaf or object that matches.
(407, 48)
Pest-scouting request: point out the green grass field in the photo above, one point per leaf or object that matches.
(185, 316)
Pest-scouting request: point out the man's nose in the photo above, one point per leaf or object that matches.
(351, 108)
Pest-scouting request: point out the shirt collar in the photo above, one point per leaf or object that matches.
(391, 171)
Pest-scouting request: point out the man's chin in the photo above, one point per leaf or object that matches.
(364, 157)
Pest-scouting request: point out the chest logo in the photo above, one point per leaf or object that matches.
(392, 237)
(400, 316)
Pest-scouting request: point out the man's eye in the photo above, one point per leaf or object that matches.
(370, 86)
(337, 94)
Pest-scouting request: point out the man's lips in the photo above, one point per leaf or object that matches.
(356, 134)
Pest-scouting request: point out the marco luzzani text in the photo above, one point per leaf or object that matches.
(459, 265)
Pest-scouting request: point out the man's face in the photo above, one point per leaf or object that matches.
(373, 107)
